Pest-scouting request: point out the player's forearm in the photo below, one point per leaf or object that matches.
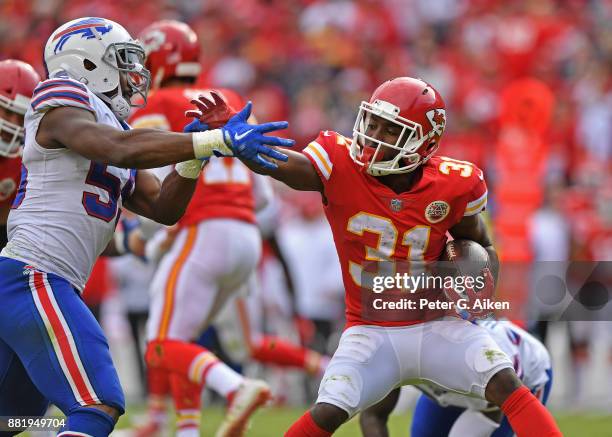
(297, 173)
(174, 196)
(150, 148)
(78, 130)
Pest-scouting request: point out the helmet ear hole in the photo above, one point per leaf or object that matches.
(89, 66)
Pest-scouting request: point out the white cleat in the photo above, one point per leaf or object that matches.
(250, 396)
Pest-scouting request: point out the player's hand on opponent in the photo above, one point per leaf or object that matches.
(213, 112)
(195, 126)
(464, 301)
(246, 140)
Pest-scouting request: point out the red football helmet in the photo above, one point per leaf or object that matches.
(417, 108)
(172, 50)
(17, 83)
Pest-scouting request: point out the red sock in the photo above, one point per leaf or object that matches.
(305, 426)
(528, 417)
(274, 350)
(187, 359)
(185, 394)
(158, 381)
(159, 387)
(187, 401)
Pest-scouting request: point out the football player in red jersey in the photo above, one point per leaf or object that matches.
(17, 82)
(213, 258)
(388, 199)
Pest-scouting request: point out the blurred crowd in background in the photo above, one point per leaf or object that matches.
(527, 86)
(312, 61)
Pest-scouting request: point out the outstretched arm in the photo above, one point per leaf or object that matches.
(293, 169)
(78, 130)
(298, 172)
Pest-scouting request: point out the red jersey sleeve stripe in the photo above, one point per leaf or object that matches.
(63, 98)
(59, 82)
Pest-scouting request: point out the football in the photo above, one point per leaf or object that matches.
(463, 258)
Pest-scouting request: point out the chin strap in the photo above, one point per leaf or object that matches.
(118, 104)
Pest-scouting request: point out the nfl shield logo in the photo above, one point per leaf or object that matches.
(396, 205)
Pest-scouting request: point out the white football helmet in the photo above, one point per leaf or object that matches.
(97, 52)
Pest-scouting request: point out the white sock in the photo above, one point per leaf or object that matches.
(474, 424)
(222, 379)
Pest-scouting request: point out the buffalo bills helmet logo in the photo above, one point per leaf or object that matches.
(83, 28)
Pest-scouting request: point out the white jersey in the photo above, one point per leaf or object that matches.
(67, 206)
(529, 356)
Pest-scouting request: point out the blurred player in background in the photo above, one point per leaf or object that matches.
(17, 82)
(75, 177)
(388, 199)
(441, 413)
(213, 258)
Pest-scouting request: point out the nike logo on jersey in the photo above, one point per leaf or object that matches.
(242, 135)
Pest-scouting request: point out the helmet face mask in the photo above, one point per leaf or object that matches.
(406, 147)
(408, 118)
(134, 79)
(17, 83)
(11, 136)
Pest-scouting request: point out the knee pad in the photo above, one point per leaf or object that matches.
(358, 347)
(341, 386)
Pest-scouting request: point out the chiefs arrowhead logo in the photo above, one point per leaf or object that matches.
(7, 187)
(437, 118)
(437, 211)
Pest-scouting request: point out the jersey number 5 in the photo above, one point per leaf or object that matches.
(94, 206)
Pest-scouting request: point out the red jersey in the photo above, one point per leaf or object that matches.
(226, 185)
(371, 223)
(10, 175)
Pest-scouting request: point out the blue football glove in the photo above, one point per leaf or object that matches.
(195, 126)
(249, 142)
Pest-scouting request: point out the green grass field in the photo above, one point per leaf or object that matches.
(272, 422)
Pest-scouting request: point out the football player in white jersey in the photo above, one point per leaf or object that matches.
(78, 171)
(441, 413)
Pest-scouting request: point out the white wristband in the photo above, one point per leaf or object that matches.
(189, 169)
(204, 143)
